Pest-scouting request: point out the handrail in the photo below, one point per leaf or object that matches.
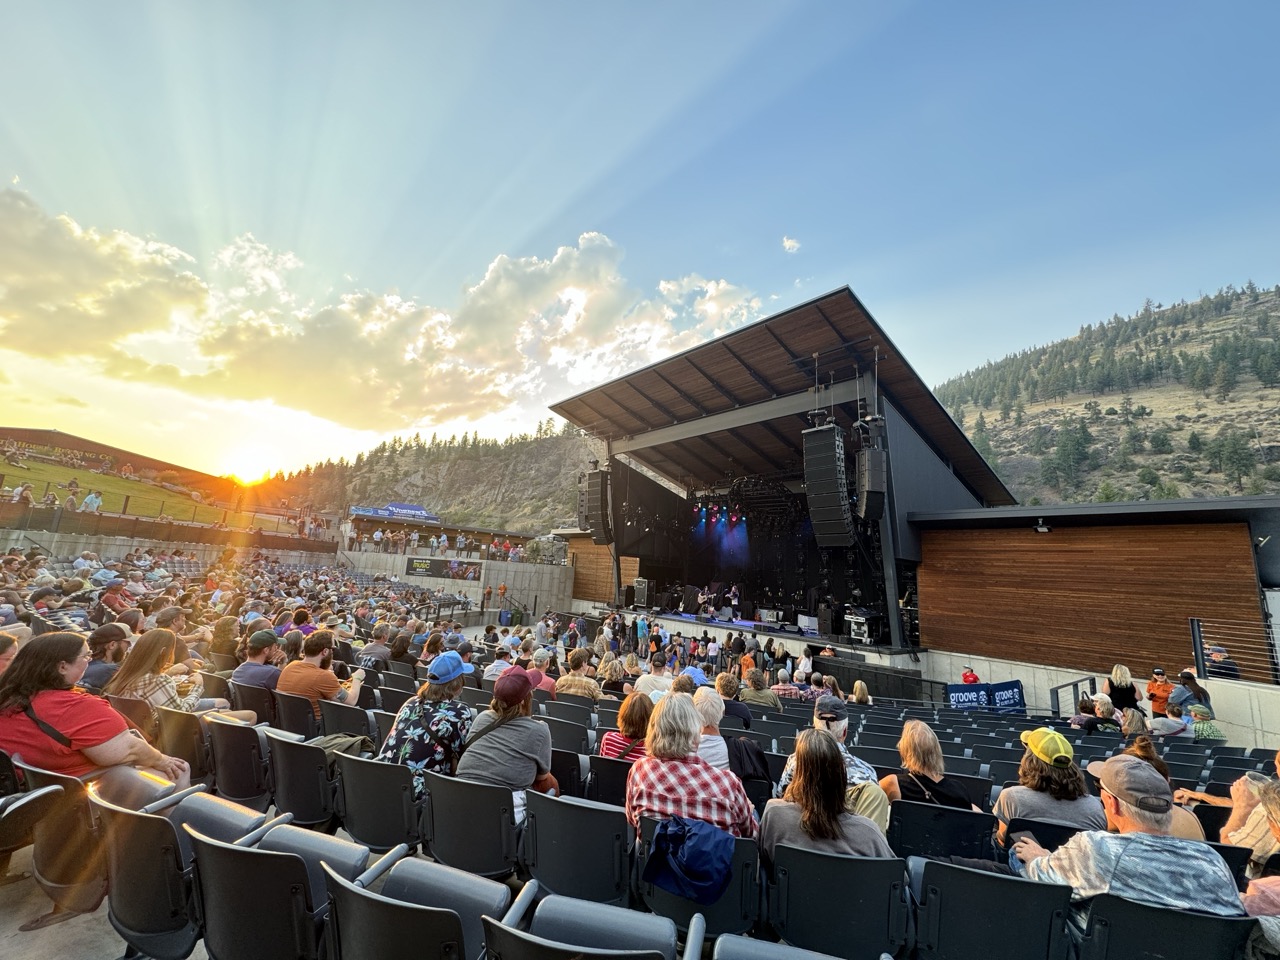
(1075, 685)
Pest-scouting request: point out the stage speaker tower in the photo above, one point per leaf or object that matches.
(873, 483)
(827, 486)
(598, 507)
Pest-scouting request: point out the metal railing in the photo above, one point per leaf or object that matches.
(1089, 683)
(1232, 650)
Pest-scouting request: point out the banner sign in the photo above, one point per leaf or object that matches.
(1005, 697)
(439, 567)
(397, 511)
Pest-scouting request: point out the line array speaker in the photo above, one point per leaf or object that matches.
(598, 507)
(827, 486)
(873, 483)
(584, 516)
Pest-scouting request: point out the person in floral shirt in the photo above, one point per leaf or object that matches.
(430, 728)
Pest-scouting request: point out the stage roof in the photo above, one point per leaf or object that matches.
(736, 406)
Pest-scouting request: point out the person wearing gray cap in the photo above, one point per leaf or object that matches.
(864, 795)
(1140, 861)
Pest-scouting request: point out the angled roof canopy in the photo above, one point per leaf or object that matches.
(736, 406)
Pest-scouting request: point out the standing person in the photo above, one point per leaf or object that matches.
(1158, 690)
(1221, 666)
(507, 747)
(1121, 689)
(486, 597)
(811, 813)
(432, 726)
(1189, 692)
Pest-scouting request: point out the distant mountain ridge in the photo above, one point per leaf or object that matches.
(1173, 401)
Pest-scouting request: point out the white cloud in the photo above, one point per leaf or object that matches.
(790, 244)
(530, 331)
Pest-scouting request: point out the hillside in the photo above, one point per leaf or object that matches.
(1173, 401)
(526, 484)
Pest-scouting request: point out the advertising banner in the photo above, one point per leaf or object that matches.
(440, 567)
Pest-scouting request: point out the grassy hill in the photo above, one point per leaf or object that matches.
(1173, 401)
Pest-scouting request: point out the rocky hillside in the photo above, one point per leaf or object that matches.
(1173, 401)
(526, 484)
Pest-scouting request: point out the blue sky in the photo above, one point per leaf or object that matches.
(508, 202)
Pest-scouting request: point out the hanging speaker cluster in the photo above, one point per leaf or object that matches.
(597, 507)
(873, 483)
(827, 486)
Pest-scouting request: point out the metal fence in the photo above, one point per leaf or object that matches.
(1231, 650)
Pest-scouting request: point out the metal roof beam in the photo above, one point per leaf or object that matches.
(758, 378)
(702, 411)
(795, 404)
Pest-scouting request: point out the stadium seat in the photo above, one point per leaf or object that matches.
(608, 782)
(1048, 834)
(852, 907)
(929, 830)
(1119, 929)
(240, 757)
(248, 696)
(19, 814)
(737, 909)
(470, 826)
(964, 914)
(295, 714)
(729, 947)
(182, 734)
(375, 802)
(300, 780)
(578, 848)
(338, 717)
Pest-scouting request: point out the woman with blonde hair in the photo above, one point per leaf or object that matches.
(860, 692)
(1121, 689)
(1134, 723)
(1103, 716)
(924, 778)
(613, 679)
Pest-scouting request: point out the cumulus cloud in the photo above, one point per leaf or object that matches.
(790, 244)
(530, 331)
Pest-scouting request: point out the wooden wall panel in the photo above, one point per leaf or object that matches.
(1091, 597)
(593, 570)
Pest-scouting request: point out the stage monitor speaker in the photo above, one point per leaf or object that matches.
(598, 507)
(626, 596)
(827, 486)
(824, 621)
(642, 593)
(873, 483)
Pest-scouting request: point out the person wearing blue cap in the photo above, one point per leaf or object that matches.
(430, 729)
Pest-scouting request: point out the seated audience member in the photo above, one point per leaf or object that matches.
(258, 670)
(657, 681)
(226, 636)
(115, 599)
(727, 687)
(757, 691)
(1249, 824)
(1133, 722)
(80, 732)
(400, 651)
(431, 727)
(1172, 724)
(812, 812)
(507, 747)
(312, 676)
(1050, 787)
(683, 684)
(144, 676)
(1262, 899)
(107, 648)
(1139, 861)
(860, 693)
(627, 742)
(576, 682)
(376, 654)
(740, 756)
(615, 679)
(1184, 824)
(543, 660)
(671, 780)
(1202, 725)
(863, 795)
(501, 663)
(1102, 719)
(784, 688)
(924, 778)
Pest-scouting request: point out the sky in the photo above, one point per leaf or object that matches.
(243, 237)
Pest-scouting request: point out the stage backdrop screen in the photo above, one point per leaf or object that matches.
(439, 567)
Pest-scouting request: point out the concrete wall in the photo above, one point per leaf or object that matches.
(549, 585)
(1248, 713)
(67, 545)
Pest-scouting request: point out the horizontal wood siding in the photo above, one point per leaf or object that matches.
(1091, 597)
(593, 570)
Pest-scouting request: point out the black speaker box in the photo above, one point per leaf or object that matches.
(642, 592)
(827, 486)
(598, 507)
(873, 483)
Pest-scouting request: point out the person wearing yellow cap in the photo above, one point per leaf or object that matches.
(1050, 787)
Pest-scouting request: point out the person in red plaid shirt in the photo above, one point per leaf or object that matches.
(671, 780)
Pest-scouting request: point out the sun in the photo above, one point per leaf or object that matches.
(247, 466)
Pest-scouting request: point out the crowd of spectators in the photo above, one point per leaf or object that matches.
(151, 632)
